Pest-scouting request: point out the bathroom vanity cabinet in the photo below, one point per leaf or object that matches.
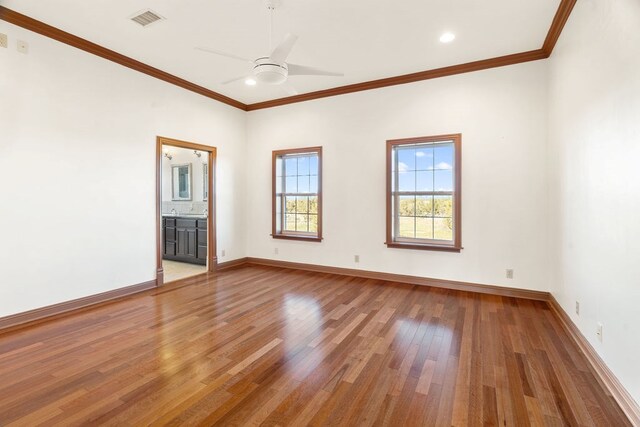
(185, 239)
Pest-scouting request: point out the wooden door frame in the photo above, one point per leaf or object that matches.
(212, 258)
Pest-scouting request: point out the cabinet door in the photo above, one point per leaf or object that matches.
(202, 243)
(192, 243)
(181, 241)
(186, 242)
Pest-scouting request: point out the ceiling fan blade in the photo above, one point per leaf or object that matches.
(281, 51)
(228, 55)
(303, 70)
(235, 79)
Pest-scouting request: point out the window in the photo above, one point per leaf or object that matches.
(297, 194)
(423, 193)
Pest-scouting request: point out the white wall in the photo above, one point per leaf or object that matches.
(78, 217)
(594, 154)
(501, 114)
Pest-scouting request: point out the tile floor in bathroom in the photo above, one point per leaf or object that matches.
(174, 270)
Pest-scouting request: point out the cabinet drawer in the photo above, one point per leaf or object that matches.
(202, 223)
(170, 222)
(202, 237)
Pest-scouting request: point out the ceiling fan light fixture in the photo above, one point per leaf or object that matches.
(270, 73)
(447, 37)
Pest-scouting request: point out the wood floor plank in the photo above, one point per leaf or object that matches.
(268, 346)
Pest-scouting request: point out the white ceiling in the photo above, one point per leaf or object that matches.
(365, 39)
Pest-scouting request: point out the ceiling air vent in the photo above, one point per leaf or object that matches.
(146, 17)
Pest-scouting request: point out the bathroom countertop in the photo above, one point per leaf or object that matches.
(196, 216)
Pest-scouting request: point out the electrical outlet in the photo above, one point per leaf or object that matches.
(599, 331)
(356, 258)
(275, 251)
(223, 253)
(23, 47)
(4, 41)
(578, 308)
(509, 273)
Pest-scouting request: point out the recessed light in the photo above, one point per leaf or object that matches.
(447, 37)
(250, 81)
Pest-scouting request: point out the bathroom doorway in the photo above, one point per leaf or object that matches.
(185, 209)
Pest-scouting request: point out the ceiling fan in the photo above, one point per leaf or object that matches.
(273, 69)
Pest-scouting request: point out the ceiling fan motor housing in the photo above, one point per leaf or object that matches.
(270, 73)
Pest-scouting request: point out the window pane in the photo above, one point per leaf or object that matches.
(424, 228)
(406, 159)
(279, 180)
(407, 206)
(278, 166)
(443, 228)
(302, 204)
(443, 180)
(313, 223)
(303, 165)
(313, 184)
(406, 227)
(443, 206)
(291, 184)
(424, 206)
(291, 166)
(394, 177)
(301, 222)
(290, 222)
(407, 181)
(290, 206)
(303, 184)
(313, 165)
(424, 181)
(313, 205)
(443, 156)
(424, 158)
(279, 213)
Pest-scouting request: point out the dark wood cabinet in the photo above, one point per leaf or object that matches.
(185, 239)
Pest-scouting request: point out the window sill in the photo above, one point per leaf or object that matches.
(297, 237)
(424, 247)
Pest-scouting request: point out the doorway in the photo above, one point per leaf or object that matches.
(185, 209)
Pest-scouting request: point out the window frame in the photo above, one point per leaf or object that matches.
(288, 234)
(409, 243)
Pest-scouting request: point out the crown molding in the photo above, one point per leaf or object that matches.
(54, 33)
(559, 21)
(468, 67)
(557, 25)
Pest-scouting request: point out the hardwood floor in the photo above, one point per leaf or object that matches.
(262, 345)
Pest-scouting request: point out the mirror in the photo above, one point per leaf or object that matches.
(181, 182)
(205, 183)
